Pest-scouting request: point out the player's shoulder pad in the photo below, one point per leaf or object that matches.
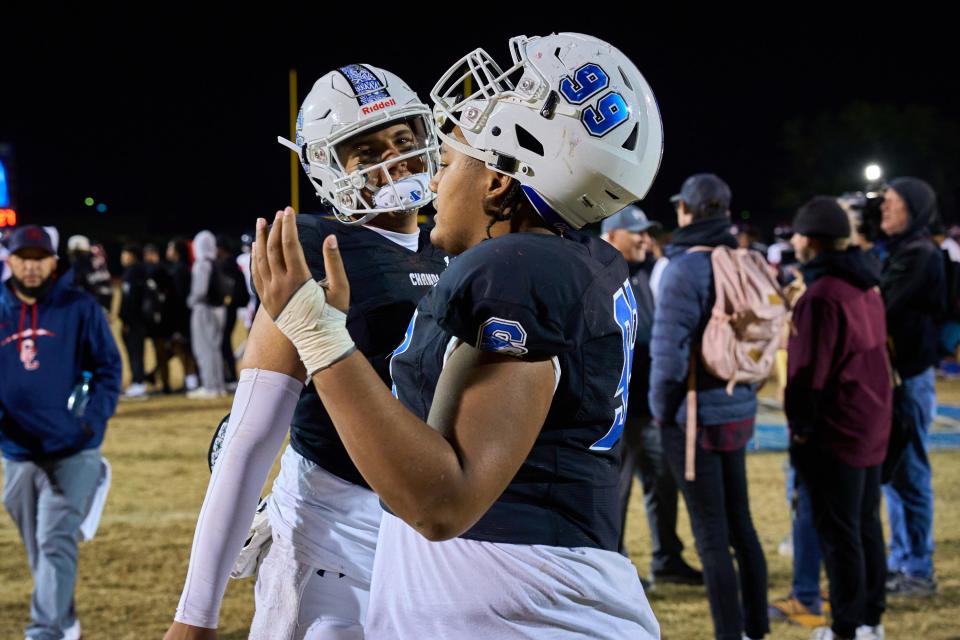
(312, 229)
(428, 249)
(519, 294)
(319, 223)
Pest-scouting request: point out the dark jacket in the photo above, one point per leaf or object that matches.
(132, 292)
(231, 274)
(914, 292)
(180, 312)
(838, 384)
(639, 405)
(85, 276)
(43, 350)
(683, 309)
(159, 301)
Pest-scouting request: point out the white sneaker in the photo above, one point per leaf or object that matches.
(870, 633)
(203, 394)
(136, 391)
(191, 382)
(73, 633)
(825, 633)
(785, 548)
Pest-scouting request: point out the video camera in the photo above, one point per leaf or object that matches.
(865, 206)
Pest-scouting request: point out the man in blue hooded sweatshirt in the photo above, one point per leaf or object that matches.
(50, 334)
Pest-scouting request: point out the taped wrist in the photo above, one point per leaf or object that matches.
(317, 329)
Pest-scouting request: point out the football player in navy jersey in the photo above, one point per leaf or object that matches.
(369, 146)
(498, 452)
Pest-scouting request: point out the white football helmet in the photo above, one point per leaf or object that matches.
(572, 120)
(343, 107)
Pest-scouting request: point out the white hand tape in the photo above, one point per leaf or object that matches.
(317, 329)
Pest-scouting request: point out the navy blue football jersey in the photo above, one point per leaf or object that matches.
(386, 282)
(533, 295)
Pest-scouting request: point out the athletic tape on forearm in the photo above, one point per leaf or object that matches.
(317, 329)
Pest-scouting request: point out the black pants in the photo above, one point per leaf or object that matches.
(226, 347)
(643, 455)
(846, 514)
(719, 508)
(134, 338)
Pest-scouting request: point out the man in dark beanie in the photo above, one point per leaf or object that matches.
(914, 295)
(839, 405)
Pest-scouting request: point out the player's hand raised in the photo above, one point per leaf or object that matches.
(336, 285)
(279, 268)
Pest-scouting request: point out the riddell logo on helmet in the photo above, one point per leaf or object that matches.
(383, 104)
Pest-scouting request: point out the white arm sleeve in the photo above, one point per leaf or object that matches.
(259, 419)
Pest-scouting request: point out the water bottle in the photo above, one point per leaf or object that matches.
(77, 402)
(404, 193)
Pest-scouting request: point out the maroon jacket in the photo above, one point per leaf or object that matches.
(838, 383)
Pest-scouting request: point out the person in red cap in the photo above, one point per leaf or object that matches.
(61, 378)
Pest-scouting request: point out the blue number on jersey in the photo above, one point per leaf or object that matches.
(625, 314)
(407, 339)
(502, 336)
(610, 111)
(588, 81)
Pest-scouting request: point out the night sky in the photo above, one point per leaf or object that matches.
(171, 120)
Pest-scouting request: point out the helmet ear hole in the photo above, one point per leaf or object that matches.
(630, 144)
(527, 141)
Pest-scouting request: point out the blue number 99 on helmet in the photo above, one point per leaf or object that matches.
(572, 119)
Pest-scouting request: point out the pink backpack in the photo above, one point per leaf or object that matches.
(744, 332)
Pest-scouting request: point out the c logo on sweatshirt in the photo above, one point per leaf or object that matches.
(28, 355)
(28, 346)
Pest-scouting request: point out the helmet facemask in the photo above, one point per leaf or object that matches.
(384, 168)
(377, 159)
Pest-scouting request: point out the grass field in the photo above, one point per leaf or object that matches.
(131, 574)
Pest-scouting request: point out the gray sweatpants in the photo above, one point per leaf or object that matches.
(206, 333)
(48, 516)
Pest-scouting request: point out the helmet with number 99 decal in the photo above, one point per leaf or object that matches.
(572, 120)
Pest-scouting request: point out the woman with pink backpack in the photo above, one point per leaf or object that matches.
(706, 451)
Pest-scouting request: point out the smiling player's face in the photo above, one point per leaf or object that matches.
(382, 145)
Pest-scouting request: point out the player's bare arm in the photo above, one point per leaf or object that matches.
(438, 477)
